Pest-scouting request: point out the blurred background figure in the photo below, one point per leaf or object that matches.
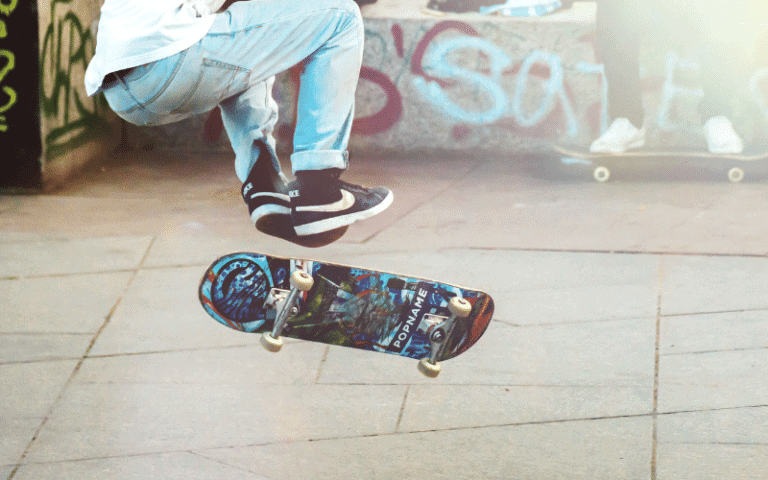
(709, 25)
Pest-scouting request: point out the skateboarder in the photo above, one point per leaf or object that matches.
(161, 61)
(621, 25)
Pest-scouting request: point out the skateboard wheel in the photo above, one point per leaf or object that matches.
(735, 175)
(428, 369)
(301, 280)
(271, 343)
(459, 307)
(601, 174)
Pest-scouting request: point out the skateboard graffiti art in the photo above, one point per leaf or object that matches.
(345, 306)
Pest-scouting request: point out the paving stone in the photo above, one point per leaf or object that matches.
(175, 401)
(161, 311)
(738, 426)
(712, 380)
(30, 389)
(61, 304)
(442, 407)
(35, 347)
(297, 363)
(167, 466)
(696, 284)
(610, 449)
(144, 418)
(16, 435)
(72, 256)
(610, 354)
(714, 332)
(711, 462)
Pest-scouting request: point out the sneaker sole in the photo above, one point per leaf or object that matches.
(267, 210)
(343, 220)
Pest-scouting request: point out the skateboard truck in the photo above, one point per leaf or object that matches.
(286, 304)
(459, 308)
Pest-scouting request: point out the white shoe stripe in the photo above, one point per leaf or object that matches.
(346, 202)
(337, 222)
(280, 196)
(269, 209)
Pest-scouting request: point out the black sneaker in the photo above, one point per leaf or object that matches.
(321, 202)
(264, 191)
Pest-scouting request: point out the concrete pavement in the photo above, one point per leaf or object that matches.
(629, 342)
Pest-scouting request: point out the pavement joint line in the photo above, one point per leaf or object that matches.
(70, 274)
(742, 444)
(177, 350)
(656, 363)
(322, 364)
(717, 409)
(47, 334)
(706, 352)
(101, 272)
(82, 359)
(715, 312)
(352, 437)
(572, 322)
(222, 462)
(402, 408)
(41, 360)
(476, 385)
(607, 251)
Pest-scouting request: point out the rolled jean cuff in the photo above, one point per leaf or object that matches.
(319, 160)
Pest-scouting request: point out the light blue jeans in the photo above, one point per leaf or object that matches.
(234, 66)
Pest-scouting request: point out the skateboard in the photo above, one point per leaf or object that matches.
(603, 164)
(347, 306)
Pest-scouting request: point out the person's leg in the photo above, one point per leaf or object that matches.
(619, 29)
(618, 34)
(249, 120)
(233, 65)
(715, 107)
(721, 62)
(325, 38)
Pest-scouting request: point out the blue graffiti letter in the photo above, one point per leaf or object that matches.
(440, 68)
(554, 89)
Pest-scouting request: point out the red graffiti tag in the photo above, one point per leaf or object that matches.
(389, 114)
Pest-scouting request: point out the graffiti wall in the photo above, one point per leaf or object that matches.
(49, 128)
(19, 104)
(467, 82)
(75, 128)
(517, 86)
(507, 85)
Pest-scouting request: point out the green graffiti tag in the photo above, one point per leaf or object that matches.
(67, 48)
(11, 93)
(6, 9)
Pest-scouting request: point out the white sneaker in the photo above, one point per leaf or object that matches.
(620, 137)
(721, 137)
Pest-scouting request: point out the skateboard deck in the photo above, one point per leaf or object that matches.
(347, 306)
(603, 164)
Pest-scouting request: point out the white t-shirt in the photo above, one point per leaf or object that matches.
(136, 32)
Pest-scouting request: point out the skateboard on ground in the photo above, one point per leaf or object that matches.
(603, 164)
(348, 306)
